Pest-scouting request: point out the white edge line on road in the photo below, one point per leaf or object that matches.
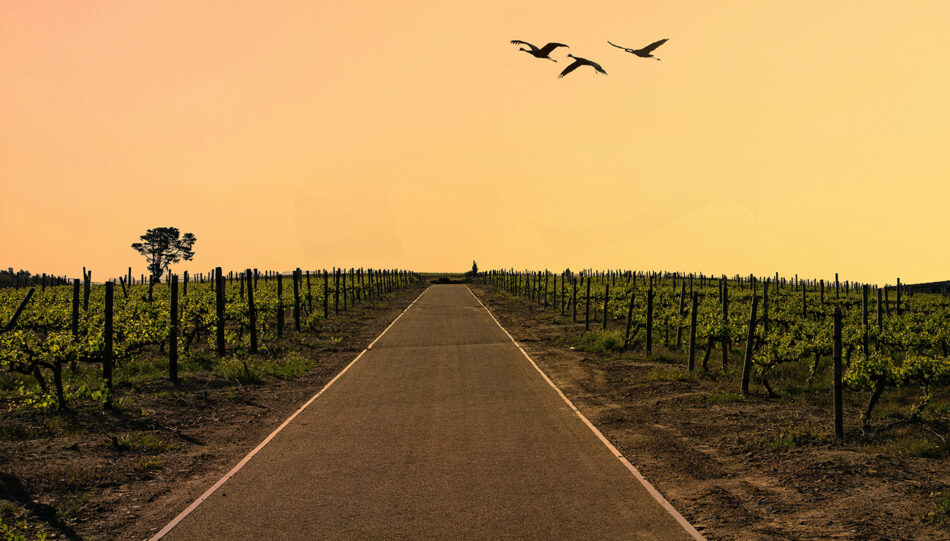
(623, 460)
(194, 505)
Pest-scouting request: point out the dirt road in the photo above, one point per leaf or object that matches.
(442, 428)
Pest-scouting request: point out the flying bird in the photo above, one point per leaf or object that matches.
(543, 52)
(646, 52)
(578, 62)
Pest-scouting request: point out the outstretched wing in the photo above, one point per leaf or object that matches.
(619, 47)
(550, 47)
(597, 67)
(570, 68)
(519, 42)
(649, 48)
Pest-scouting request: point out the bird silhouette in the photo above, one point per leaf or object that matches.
(645, 52)
(578, 62)
(543, 52)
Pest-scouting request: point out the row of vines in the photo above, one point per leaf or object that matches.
(64, 342)
(888, 338)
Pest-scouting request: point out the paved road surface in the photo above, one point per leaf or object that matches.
(442, 430)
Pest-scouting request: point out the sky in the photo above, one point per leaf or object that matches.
(795, 137)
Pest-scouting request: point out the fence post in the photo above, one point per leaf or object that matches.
(692, 330)
(606, 299)
(219, 309)
(75, 315)
(87, 279)
(107, 351)
(681, 313)
(749, 348)
(650, 320)
(280, 305)
(297, 299)
(864, 319)
(326, 294)
(626, 336)
(173, 332)
(574, 299)
(587, 308)
(251, 312)
(725, 323)
(839, 417)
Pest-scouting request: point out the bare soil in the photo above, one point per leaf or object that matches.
(124, 474)
(747, 467)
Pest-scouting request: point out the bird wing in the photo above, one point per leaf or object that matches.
(597, 67)
(653, 45)
(519, 42)
(619, 47)
(572, 67)
(550, 47)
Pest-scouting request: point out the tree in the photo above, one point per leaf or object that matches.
(162, 246)
(474, 268)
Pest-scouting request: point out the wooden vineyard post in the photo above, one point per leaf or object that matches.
(898, 296)
(864, 320)
(587, 307)
(822, 298)
(309, 295)
(219, 309)
(173, 332)
(545, 289)
(765, 308)
(184, 286)
(880, 313)
(626, 335)
(75, 315)
(125, 291)
(251, 312)
(749, 348)
(574, 298)
(606, 299)
(554, 292)
(336, 291)
(836, 286)
(87, 279)
(563, 292)
(650, 320)
(326, 294)
(681, 313)
(280, 305)
(839, 417)
(343, 286)
(725, 323)
(107, 349)
(297, 300)
(804, 303)
(694, 303)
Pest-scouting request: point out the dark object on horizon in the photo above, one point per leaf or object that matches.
(646, 52)
(162, 246)
(578, 62)
(543, 52)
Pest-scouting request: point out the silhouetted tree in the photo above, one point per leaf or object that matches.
(474, 268)
(162, 246)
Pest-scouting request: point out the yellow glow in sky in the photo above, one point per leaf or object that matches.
(805, 137)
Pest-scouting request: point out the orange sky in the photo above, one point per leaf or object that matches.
(805, 137)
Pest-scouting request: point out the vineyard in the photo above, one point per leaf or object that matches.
(61, 344)
(872, 339)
